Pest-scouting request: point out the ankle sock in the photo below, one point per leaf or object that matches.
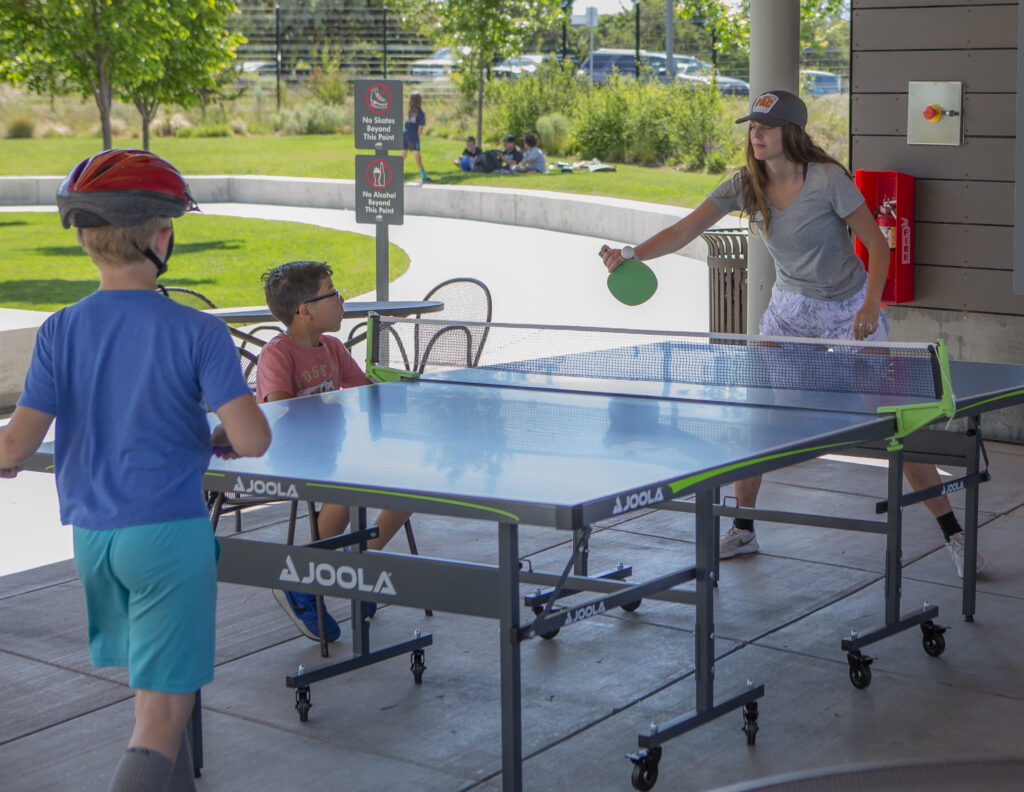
(743, 524)
(141, 769)
(948, 524)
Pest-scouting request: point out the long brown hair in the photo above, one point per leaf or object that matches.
(415, 103)
(797, 147)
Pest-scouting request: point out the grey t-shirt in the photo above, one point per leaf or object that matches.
(533, 159)
(809, 240)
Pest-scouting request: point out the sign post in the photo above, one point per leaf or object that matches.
(380, 183)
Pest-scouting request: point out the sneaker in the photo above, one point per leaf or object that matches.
(736, 542)
(302, 609)
(956, 549)
(425, 178)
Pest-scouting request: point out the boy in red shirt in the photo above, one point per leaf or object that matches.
(303, 361)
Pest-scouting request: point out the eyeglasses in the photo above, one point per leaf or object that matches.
(332, 293)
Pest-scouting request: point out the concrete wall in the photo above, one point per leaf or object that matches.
(964, 207)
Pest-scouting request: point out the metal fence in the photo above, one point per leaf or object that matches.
(293, 44)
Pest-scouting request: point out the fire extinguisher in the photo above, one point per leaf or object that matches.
(885, 216)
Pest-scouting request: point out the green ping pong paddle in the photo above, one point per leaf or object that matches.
(632, 282)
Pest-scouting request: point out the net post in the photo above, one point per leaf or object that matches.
(911, 417)
(374, 371)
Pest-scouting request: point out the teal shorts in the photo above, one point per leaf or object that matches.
(151, 598)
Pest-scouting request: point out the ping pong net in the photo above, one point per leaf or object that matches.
(541, 354)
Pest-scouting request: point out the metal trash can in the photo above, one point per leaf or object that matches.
(727, 280)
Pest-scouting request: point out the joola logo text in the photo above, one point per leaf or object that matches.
(345, 577)
(953, 486)
(260, 487)
(635, 500)
(584, 612)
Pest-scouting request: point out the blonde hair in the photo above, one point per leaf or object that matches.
(119, 246)
(798, 147)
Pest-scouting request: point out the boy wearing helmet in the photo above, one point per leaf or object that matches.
(125, 372)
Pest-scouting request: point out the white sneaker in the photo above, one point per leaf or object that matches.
(736, 542)
(956, 549)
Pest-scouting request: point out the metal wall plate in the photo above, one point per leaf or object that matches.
(949, 129)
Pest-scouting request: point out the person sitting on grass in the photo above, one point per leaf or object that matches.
(511, 155)
(127, 375)
(467, 158)
(533, 158)
(301, 361)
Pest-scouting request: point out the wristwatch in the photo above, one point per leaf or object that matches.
(628, 252)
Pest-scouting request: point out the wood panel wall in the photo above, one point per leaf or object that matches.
(965, 194)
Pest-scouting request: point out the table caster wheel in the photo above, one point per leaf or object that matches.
(302, 703)
(932, 638)
(417, 666)
(750, 722)
(629, 607)
(860, 669)
(547, 636)
(645, 768)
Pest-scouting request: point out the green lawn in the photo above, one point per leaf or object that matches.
(44, 269)
(223, 257)
(333, 156)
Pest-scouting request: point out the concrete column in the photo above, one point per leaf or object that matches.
(774, 63)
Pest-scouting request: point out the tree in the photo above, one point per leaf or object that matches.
(484, 32)
(730, 28)
(95, 47)
(194, 47)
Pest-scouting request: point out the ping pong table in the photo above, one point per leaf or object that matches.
(564, 427)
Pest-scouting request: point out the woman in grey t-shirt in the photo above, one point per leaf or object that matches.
(801, 202)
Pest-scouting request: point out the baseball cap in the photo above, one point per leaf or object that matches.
(775, 108)
(510, 138)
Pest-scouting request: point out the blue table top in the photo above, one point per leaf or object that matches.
(518, 448)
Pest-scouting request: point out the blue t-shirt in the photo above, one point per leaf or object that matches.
(413, 124)
(125, 373)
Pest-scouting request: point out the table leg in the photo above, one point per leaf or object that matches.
(511, 679)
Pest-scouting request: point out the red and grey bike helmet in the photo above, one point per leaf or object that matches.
(123, 187)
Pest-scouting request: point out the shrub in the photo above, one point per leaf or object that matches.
(703, 127)
(326, 81)
(599, 122)
(206, 130)
(21, 128)
(553, 130)
(313, 119)
(828, 124)
(238, 127)
(171, 126)
(517, 105)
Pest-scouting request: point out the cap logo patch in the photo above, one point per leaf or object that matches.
(764, 103)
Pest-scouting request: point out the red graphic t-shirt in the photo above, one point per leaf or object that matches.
(298, 370)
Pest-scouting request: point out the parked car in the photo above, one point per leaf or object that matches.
(442, 62)
(704, 72)
(819, 83)
(259, 67)
(517, 65)
(621, 60)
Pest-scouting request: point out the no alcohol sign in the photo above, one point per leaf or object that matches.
(378, 114)
(379, 189)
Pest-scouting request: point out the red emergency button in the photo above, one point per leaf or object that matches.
(932, 113)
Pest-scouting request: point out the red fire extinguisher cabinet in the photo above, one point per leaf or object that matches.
(878, 188)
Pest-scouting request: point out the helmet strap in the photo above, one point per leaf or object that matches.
(161, 266)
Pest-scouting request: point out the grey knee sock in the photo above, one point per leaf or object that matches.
(183, 777)
(141, 770)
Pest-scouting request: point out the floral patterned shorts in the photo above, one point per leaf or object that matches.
(790, 314)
